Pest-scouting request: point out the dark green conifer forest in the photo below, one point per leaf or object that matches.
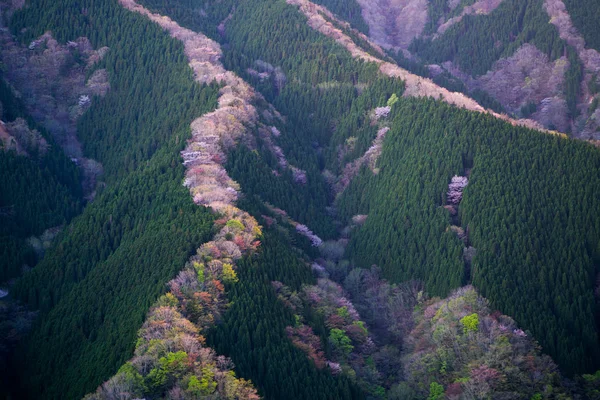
(585, 16)
(253, 332)
(476, 42)
(95, 285)
(407, 233)
(49, 196)
(525, 194)
(531, 209)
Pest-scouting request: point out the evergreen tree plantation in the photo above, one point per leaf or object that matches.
(282, 210)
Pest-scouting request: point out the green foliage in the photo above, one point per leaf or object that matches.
(96, 285)
(591, 385)
(167, 300)
(253, 329)
(323, 81)
(477, 41)
(361, 325)
(585, 15)
(170, 367)
(229, 275)
(130, 374)
(205, 386)
(340, 342)
(470, 323)
(379, 391)
(199, 267)
(486, 363)
(347, 10)
(444, 367)
(405, 233)
(343, 312)
(436, 391)
(392, 100)
(521, 185)
(37, 192)
(592, 377)
(235, 224)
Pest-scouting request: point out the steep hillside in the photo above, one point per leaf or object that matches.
(472, 39)
(442, 251)
(519, 181)
(587, 125)
(393, 24)
(32, 211)
(585, 16)
(323, 21)
(56, 83)
(95, 285)
(197, 298)
(49, 198)
(350, 11)
(476, 43)
(282, 199)
(475, 353)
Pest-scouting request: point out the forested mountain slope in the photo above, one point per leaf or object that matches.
(585, 16)
(478, 43)
(49, 198)
(32, 210)
(512, 211)
(94, 287)
(449, 250)
(534, 58)
(350, 171)
(197, 295)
